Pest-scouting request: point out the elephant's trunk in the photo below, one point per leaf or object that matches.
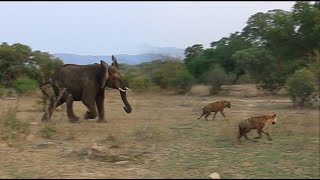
(127, 107)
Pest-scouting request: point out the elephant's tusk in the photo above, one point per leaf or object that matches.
(128, 88)
(122, 90)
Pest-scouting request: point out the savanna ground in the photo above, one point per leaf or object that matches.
(161, 138)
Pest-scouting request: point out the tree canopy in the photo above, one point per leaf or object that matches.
(270, 48)
(18, 60)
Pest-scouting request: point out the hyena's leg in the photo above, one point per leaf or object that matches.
(223, 114)
(240, 134)
(203, 113)
(214, 116)
(266, 133)
(207, 115)
(245, 135)
(244, 132)
(259, 133)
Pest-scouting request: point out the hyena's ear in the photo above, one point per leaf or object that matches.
(274, 115)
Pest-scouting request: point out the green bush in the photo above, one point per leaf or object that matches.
(172, 74)
(300, 86)
(140, 83)
(182, 82)
(25, 85)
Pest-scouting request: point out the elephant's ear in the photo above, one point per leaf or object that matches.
(114, 62)
(104, 73)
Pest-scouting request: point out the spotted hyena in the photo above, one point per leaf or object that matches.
(217, 106)
(256, 122)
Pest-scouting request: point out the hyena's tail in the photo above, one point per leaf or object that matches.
(203, 113)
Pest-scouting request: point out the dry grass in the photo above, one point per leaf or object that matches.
(162, 138)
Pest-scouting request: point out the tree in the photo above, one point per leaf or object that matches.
(261, 65)
(12, 59)
(19, 60)
(41, 65)
(307, 24)
(192, 60)
(199, 61)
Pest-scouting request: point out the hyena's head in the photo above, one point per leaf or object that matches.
(227, 104)
(274, 119)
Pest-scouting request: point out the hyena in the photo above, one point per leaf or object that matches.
(217, 106)
(256, 122)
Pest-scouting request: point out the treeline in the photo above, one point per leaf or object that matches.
(270, 48)
(275, 50)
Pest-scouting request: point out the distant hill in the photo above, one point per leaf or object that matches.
(122, 58)
(167, 51)
(154, 53)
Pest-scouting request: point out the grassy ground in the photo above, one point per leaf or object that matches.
(161, 138)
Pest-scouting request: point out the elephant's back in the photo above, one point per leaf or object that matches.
(75, 78)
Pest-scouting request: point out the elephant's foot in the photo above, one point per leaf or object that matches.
(45, 118)
(89, 115)
(74, 119)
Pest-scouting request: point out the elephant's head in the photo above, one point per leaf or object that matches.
(114, 81)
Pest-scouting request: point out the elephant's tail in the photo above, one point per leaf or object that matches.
(43, 91)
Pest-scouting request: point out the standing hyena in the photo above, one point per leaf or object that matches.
(256, 122)
(217, 106)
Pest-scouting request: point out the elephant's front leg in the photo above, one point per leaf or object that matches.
(72, 117)
(100, 107)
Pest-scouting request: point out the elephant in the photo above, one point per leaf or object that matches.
(86, 83)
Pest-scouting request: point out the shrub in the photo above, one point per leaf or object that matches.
(140, 83)
(300, 86)
(182, 82)
(25, 85)
(216, 78)
(172, 74)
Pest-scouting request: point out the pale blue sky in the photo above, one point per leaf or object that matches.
(122, 27)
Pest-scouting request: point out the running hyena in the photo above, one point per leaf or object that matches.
(256, 122)
(217, 106)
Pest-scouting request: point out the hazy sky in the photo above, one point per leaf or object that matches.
(116, 27)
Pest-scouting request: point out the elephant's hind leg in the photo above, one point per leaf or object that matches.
(47, 115)
(92, 113)
(52, 106)
(72, 117)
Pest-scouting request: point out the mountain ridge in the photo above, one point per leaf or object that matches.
(151, 54)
